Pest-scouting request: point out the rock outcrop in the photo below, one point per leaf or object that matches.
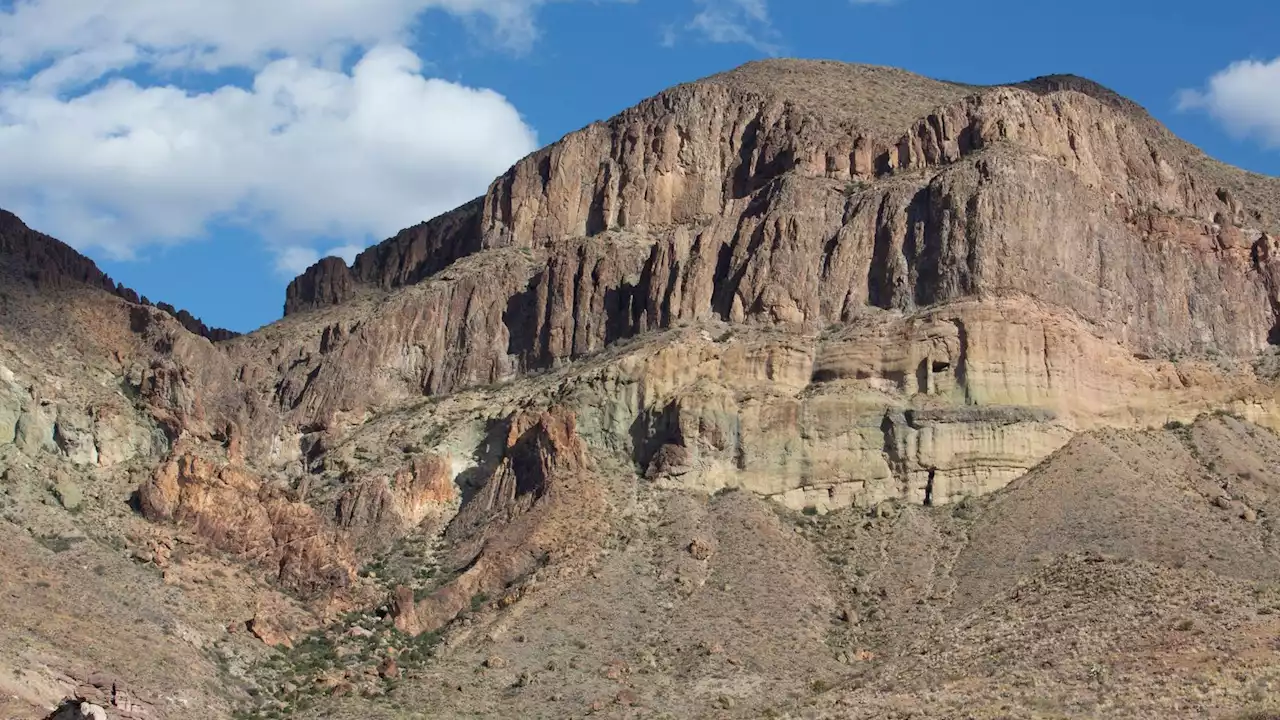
(542, 500)
(236, 512)
(731, 200)
(376, 511)
(103, 431)
(827, 286)
(101, 696)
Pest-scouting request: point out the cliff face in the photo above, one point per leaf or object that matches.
(801, 197)
(754, 207)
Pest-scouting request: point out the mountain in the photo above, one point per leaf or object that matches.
(804, 390)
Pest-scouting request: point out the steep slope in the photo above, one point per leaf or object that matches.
(1034, 603)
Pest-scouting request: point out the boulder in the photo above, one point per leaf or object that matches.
(34, 432)
(68, 492)
(73, 433)
(268, 631)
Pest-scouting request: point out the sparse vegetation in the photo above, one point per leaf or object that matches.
(59, 543)
(1003, 607)
(329, 660)
(966, 508)
(853, 187)
(1273, 714)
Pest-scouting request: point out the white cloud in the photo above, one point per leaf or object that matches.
(346, 252)
(1245, 98)
(744, 22)
(306, 152)
(294, 259)
(83, 38)
(734, 21)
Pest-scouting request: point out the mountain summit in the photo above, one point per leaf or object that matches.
(810, 389)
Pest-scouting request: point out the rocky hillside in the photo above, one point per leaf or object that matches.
(51, 264)
(803, 362)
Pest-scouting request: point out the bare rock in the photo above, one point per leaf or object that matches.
(268, 631)
(378, 510)
(101, 696)
(78, 710)
(34, 431)
(671, 459)
(404, 612)
(69, 494)
(541, 502)
(701, 548)
(388, 669)
(10, 410)
(235, 512)
(73, 433)
(327, 282)
(119, 436)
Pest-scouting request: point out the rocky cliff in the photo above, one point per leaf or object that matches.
(921, 287)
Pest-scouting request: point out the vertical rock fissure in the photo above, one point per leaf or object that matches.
(962, 361)
(880, 280)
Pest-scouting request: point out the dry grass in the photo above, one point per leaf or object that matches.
(879, 101)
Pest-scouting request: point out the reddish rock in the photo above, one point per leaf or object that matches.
(388, 669)
(542, 498)
(268, 631)
(377, 510)
(230, 508)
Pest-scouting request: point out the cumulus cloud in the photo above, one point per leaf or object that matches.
(81, 38)
(310, 152)
(303, 152)
(292, 260)
(1244, 98)
(745, 22)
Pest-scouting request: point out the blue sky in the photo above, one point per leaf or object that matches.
(203, 152)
